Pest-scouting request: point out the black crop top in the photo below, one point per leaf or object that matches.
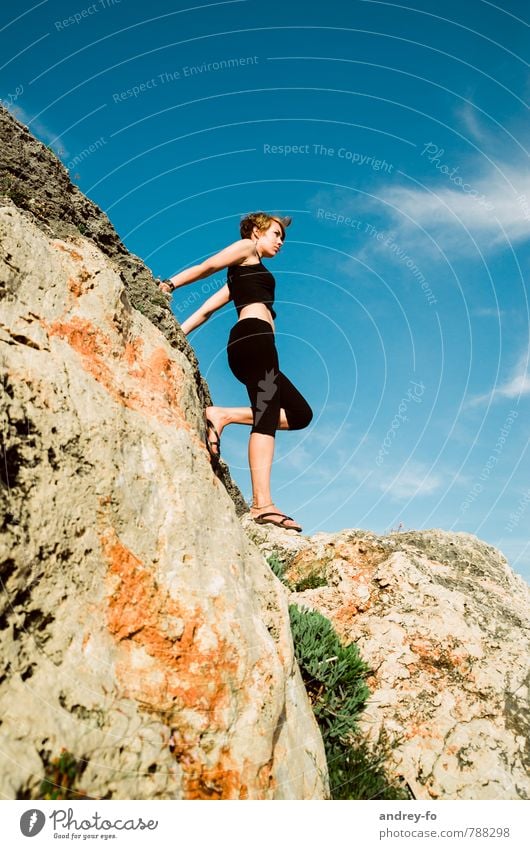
(251, 284)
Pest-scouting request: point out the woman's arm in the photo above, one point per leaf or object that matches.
(217, 300)
(230, 255)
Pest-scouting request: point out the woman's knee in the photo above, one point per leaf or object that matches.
(266, 416)
(265, 428)
(299, 418)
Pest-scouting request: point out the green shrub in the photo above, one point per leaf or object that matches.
(357, 772)
(277, 566)
(334, 677)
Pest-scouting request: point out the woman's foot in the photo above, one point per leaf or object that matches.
(268, 514)
(213, 441)
(215, 423)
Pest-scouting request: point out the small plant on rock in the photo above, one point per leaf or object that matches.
(311, 581)
(60, 776)
(277, 565)
(334, 677)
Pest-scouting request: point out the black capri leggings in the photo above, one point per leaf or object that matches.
(253, 359)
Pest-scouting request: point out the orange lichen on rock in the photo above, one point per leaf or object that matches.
(437, 658)
(60, 246)
(139, 611)
(424, 730)
(358, 551)
(160, 373)
(214, 784)
(147, 384)
(168, 672)
(343, 617)
(219, 783)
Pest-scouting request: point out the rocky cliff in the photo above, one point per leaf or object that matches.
(445, 625)
(142, 634)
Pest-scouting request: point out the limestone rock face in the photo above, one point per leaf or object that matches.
(39, 184)
(140, 629)
(445, 625)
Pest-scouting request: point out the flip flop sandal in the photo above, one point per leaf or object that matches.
(214, 455)
(261, 520)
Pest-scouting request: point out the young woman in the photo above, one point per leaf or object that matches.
(252, 355)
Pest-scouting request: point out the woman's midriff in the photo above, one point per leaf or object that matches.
(257, 310)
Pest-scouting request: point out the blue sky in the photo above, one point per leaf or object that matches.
(396, 137)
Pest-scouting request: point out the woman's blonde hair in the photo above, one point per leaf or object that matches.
(261, 220)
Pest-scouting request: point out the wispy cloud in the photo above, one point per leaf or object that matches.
(486, 194)
(324, 452)
(515, 386)
(493, 208)
(489, 312)
(411, 481)
(456, 203)
(469, 118)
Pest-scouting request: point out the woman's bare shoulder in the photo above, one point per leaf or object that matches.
(248, 249)
(233, 254)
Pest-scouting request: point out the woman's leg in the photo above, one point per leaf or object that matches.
(220, 417)
(260, 457)
(295, 413)
(253, 359)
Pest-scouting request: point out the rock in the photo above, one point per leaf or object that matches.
(445, 625)
(34, 180)
(140, 630)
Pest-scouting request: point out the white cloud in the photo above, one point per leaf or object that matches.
(516, 385)
(519, 383)
(484, 207)
(489, 312)
(456, 204)
(469, 116)
(412, 480)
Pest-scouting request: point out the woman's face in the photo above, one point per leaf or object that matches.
(271, 239)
